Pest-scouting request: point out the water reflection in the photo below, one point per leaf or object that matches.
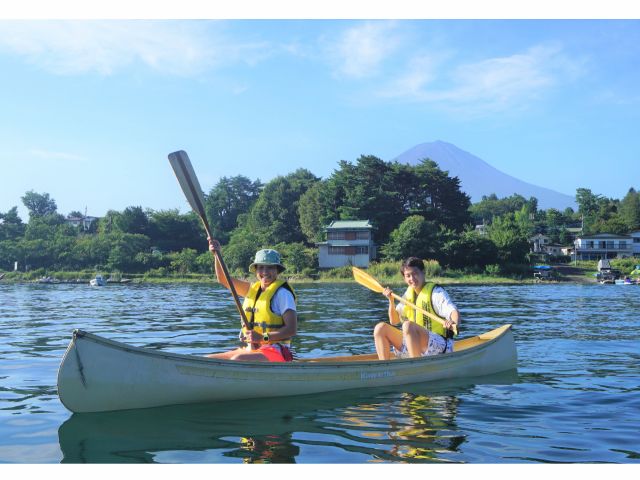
(397, 424)
(575, 400)
(426, 427)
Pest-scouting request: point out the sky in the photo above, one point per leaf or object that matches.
(92, 106)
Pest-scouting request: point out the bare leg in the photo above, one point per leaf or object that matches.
(384, 335)
(250, 357)
(416, 338)
(228, 355)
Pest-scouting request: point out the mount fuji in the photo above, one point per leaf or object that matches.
(478, 178)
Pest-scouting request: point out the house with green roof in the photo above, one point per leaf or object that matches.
(349, 242)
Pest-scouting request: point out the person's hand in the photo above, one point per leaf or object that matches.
(387, 292)
(449, 325)
(250, 336)
(214, 245)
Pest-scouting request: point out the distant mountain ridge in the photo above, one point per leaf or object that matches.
(478, 178)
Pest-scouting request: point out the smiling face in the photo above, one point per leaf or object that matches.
(414, 277)
(266, 275)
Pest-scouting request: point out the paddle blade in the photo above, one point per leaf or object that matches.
(363, 278)
(189, 183)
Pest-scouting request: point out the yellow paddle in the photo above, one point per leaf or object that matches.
(363, 278)
(191, 188)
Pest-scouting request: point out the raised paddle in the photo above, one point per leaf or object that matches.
(191, 187)
(363, 278)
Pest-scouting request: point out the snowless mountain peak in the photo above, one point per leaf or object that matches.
(479, 178)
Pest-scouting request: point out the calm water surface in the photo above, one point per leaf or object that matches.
(575, 397)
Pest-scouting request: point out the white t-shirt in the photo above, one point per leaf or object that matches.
(282, 301)
(442, 304)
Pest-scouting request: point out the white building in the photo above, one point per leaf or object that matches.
(636, 242)
(539, 241)
(603, 245)
(84, 221)
(349, 242)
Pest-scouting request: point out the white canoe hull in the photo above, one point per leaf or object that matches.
(98, 374)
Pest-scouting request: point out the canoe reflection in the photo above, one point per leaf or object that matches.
(405, 424)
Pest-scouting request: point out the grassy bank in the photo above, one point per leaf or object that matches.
(387, 273)
(329, 276)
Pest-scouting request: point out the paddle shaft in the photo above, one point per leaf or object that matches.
(190, 186)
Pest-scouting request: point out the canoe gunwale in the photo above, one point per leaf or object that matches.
(311, 363)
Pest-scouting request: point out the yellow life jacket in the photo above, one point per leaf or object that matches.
(423, 301)
(257, 306)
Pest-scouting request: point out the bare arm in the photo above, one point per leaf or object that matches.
(454, 319)
(394, 318)
(288, 330)
(242, 287)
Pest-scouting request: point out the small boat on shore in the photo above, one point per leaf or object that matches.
(98, 281)
(98, 374)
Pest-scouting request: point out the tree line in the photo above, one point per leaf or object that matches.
(415, 210)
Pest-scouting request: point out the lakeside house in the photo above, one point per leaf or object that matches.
(349, 242)
(604, 246)
(84, 221)
(635, 242)
(539, 241)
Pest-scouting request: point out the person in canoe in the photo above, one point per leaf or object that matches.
(270, 305)
(419, 335)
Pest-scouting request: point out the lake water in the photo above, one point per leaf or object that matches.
(575, 397)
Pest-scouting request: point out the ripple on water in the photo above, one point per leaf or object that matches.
(574, 399)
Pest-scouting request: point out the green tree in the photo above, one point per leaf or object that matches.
(171, 231)
(39, 204)
(229, 198)
(467, 250)
(124, 250)
(297, 258)
(10, 253)
(415, 236)
(366, 190)
(316, 210)
(491, 206)
(240, 251)
(630, 210)
(442, 200)
(132, 220)
(588, 207)
(11, 226)
(89, 251)
(524, 218)
(274, 217)
(512, 243)
(185, 261)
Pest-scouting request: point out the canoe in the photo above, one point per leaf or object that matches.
(98, 374)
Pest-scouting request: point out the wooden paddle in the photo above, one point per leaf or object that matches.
(363, 278)
(191, 187)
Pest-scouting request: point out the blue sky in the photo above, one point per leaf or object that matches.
(91, 108)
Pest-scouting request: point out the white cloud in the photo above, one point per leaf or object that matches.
(106, 46)
(493, 84)
(360, 51)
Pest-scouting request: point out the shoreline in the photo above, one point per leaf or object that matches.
(138, 279)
